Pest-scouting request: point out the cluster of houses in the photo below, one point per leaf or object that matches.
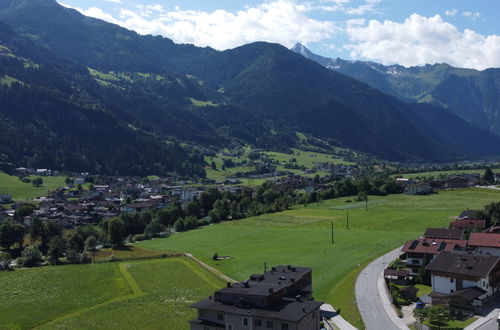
(72, 206)
(417, 187)
(464, 271)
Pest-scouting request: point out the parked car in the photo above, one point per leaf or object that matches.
(420, 305)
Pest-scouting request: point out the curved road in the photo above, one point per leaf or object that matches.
(372, 299)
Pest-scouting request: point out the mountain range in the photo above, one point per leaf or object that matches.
(471, 94)
(78, 93)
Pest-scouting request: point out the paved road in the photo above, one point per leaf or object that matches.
(488, 322)
(490, 325)
(373, 302)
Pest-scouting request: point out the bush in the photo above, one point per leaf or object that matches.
(113, 258)
(84, 258)
(139, 237)
(30, 256)
(5, 259)
(72, 256)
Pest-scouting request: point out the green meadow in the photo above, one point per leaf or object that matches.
(19, 190)
(302, 158)
(152, 294)
(436, 174)
(303, 236)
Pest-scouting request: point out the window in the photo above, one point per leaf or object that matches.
(415, 261)
(258, 323)
(451, 280)
(269, 324)
(220, 317)
(245, 322)
(284, 326)
(229, 327)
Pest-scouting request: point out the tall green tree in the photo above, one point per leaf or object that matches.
(116, 231)
(488, 176)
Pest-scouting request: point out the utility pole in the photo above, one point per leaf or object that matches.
(366, 203)
(347, 219)
(332, 234)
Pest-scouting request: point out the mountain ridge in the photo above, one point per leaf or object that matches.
(471, 94)
(259, 94)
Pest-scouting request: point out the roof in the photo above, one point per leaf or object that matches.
(277, 278)
(433, 246)
(485, 239)
(466, 223)
(410, 290)
(470, 293)
(467, 214)
(444, 233)
(463, 263)
(396, 272)
(287, 310)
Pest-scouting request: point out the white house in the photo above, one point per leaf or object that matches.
(462, 280)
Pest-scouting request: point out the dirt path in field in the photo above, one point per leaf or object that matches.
(210, 269)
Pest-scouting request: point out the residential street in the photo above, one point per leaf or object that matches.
(373, 301)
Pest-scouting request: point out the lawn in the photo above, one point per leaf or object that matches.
(436, 174)
(303, 158)
(19, 190)
(302, 236)
(152, 294)
(127, 253)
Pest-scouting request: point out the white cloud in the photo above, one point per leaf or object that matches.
(451, 12)
(114, 1)
(280, 21)
(420, 40)
(369, 6)
(471, 15)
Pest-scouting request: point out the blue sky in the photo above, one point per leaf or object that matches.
(409, 32)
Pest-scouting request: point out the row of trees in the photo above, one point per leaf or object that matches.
(213, 206)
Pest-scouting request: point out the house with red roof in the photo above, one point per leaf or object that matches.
(467, 224)
(422, 250)
(486, 243)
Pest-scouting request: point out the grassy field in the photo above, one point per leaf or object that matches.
(128, 253)
(306, 158)
(302, 236)
(303, 158)
(152, 294)
(438, 173)
(19, 190)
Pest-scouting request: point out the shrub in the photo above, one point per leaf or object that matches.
(84, 258)
(5, 259)
(30, 256)
(113, 258)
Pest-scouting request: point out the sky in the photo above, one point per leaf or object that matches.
(462, 33)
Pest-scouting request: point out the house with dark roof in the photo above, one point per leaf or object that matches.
(467, 214)
(422, 250)
(486, 243)
(463, 280)
(278, 299)
(443, 233)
